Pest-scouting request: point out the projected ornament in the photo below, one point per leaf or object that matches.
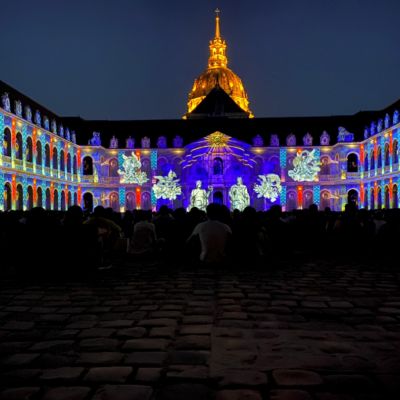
(269, 187)
(239, 196)
(306, 166)
(130, 172)
(167, 187)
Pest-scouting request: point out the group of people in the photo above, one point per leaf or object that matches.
(55, 240)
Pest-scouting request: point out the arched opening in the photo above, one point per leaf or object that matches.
(20, 198)
(113, 168)
(74, 166)
(87, 166)
(307, 199)
(366, 163)
(62, 200)
(146, 201)
(7, 143)
(114, 201)
(218, 166)
(387, 197)
(379, 198)
(29, 200)
(325, 200)
(365, 205)
(372, 199)
(69, 163)
(324, 166)
(372, 156)
(55, 159)
(352, 162)
(55, 202)
(130, 201)
(48, 199)
(88, 201)
(38, 152)
(291, 201)
(39, 198)
(62, 161)
(76, 199)
(387, 155)
(352, 197)
(47, 155)
(395, 152)
(395, 197)
(218, 197)
(69, 199)
(7, 197)
(18, 146)
(379, 160)
(29, 149)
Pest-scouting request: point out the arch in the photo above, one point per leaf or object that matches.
(325, 167)
(379, 196)
(39, 197)
(258, 169)
(395, 196)
(352, 197)
(74, 165)
(372, 163)
(218, 166)
(87, 165)
(395, 151)
(88, 201)
(69, 162)
(291, 201)
(146, 201)
(379, 160)
(352, 162)
(308, 199)
(386, 197)
(130, 201)
(177, 165)
(366, 162)
(69, 198)
(55, 159)
(365, 205)
(325, 199)
(218, 197)
(55, 200)
(113, 168)
(47, 155)
(386, 155)
(63, 202)
(29, 200)
(114, 201)
(48, 199)
(20, 198)
(18, 146)
(29, 149)
(76, 199)
(372, 198)
(146, 166)
(7, 143)
(62, 161)
(7, 197)
(162, 166)
(39, 157)
(274, 165)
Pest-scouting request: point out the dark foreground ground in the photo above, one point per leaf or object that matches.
(320, 330)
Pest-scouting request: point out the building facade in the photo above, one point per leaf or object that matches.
(43, 163)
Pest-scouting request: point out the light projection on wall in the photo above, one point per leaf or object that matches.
(167, 187)
(306, 166)
(239, 196)
(269, 187)
(199, 197)
(130, 172)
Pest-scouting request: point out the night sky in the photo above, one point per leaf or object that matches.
(133, 59)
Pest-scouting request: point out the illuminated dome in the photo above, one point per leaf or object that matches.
(218, 73)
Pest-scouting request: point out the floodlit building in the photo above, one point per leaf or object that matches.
(54, 162)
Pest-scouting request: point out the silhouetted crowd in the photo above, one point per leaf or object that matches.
(38, 241)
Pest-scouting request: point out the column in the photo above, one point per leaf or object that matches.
(122, 199)
(2, 127)
(317, 195)
(2, 179)
(153, 163)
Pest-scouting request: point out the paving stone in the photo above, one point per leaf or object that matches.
(195, 330)
(119, 323)
(154, 358)
(98, 344)
(148, 375)
(158, 322)
(20, 359)
(135, 332)
(189, 357)
(123, 392)
(238, 394)
(296, 377)
(64, 374)
(97, 332)
(163, 332)
(18, 325)
(22, 393)
(99, 358)
(289, 395)
(243, 378)
(53, 345)
(108, 374)
(188, 372)
(185, 391)
(145, 344)
(193, 342)
(67, 393)
(349, 383)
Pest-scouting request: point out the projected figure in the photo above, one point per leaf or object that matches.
(269, 187)
(306, 166)
(130, 172)
(239, 196)
(167, 187)
(199, 197)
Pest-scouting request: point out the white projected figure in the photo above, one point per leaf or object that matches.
(239, 196)
(167, 187)
(199, 197)
(269, 187)
(306, 166)
(130, 172)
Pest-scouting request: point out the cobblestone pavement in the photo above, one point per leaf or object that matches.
(318, 331)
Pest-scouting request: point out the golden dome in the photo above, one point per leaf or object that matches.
(218, 73)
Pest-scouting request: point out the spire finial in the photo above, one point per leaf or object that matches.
(217, 30)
